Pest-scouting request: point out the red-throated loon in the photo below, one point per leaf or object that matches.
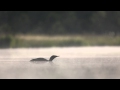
(43, 59)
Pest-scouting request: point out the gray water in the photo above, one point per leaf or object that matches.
(73, 63)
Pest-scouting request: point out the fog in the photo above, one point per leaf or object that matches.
(72, 63)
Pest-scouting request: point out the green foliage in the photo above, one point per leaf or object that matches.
(59, 22)
(5, 41)
(49, 41)
(97, 23)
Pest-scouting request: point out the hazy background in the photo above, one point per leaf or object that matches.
(59, 22)
(59, 28)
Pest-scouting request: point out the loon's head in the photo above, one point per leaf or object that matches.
(52, 57)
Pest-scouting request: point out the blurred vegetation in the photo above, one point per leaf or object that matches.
(65, 40)
(82, 28)
(59, 22)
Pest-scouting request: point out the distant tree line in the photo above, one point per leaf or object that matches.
(59, 22)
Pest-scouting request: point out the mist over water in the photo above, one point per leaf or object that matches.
(74, 62)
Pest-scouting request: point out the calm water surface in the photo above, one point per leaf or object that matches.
(73, 63)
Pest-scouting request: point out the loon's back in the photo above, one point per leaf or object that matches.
(39, 59)
(43, 59)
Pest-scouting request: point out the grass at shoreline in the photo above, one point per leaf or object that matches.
(58, 40)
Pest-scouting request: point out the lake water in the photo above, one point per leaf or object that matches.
(73, 63)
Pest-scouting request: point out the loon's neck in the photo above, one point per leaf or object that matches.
(51, 58)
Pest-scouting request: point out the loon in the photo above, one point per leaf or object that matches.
(43, 59)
